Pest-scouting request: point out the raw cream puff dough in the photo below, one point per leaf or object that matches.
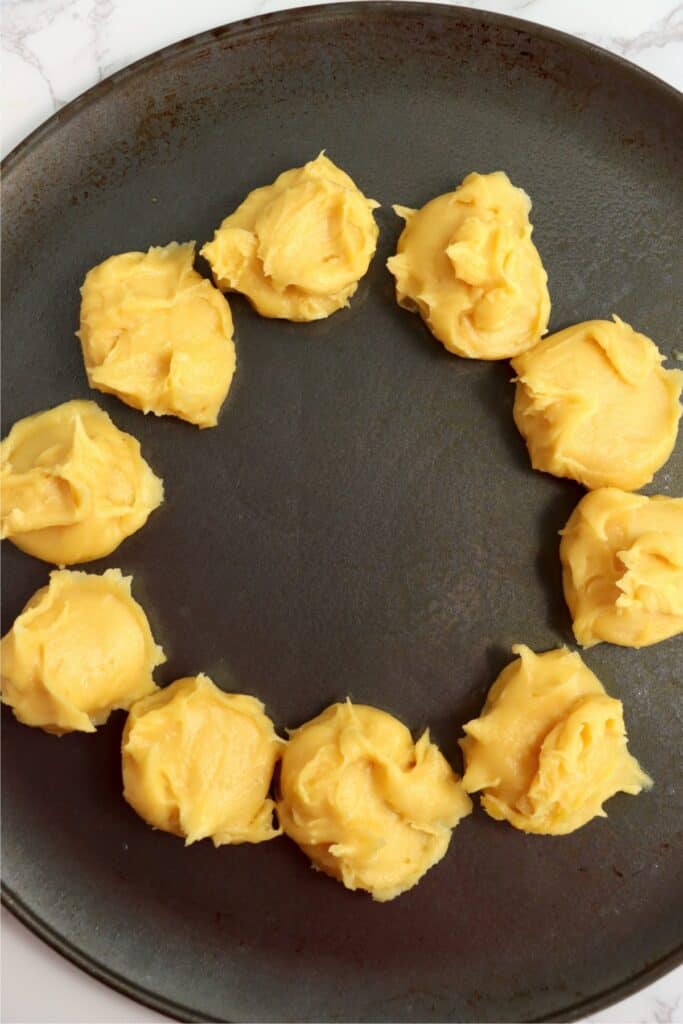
(622, 562)
(466, 263)
(365, 803)
(81, 648)
(297, 248)
(73, 485)
(158, 335)
(198, 762)
(549, 747)
(595, 404)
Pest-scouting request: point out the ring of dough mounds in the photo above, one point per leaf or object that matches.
(466, 263)
(81, 648)
(549, 747)
(595, 404)
(297, 248)
(368, 805)
(73, 485)
(158, 335)
(622, 568)
(198, 763)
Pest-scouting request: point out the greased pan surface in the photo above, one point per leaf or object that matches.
(363, 521)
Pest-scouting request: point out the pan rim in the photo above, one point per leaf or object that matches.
(321, 11)
(231, 31)
(104, 974)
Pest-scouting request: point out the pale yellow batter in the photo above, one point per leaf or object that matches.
(622, 558)
(549, 747)
(73, 485)
(297, 248)
(466, 263)
(81, 648)
(198, 762)
(367, 804)
(595, 404)
(157, 334)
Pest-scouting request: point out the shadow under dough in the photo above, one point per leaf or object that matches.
(547, 566)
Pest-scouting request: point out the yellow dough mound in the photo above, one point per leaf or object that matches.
(158, 335)
(622, 559)
(198, 762)
(297, 248)
(80, 649)
(549, 746)
(595, 404)
(367, 804)
(466, 263)
(73, 485)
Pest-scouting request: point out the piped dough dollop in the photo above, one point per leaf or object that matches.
(198, 763)
(466, 263)
(158, 335)
(549, 747)
(297, 248)
(368, 805)
(81, 648)
(595, 404)
(622, 568)
(73, 485)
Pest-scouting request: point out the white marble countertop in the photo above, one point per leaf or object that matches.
(54, 49)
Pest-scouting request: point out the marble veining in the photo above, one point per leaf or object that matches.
(52, 50)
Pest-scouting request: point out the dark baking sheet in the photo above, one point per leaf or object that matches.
(364, 520)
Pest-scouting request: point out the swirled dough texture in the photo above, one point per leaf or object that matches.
(622, 562)
(297, 248)
(367, 804)
(549, 746)
(466, 263)
(73, 484)
(198, 762)
(595, 404)
(81, 648)
(158, 335)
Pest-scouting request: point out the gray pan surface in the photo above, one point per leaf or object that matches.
(363, 521)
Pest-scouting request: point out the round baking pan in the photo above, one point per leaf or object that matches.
(363, 521)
